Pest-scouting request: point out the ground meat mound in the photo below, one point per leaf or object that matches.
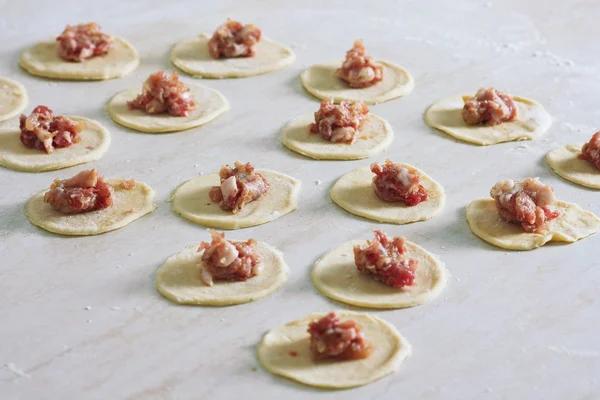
(395, 182)
(489, 107)
(591, 150)
(79, 42)
(332, 339)
(44, 131)
(360, 70)
(239, 186)
(232, 39)
(85, 192)
(525, 203)
(164, 93)
(339, 123)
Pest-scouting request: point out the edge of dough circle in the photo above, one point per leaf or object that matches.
(335, 275)
(565, 162)
(128, 206)
(192, 57)
(41, 59)
(179, 279)
(389, 351)
(191, 201)
(320, 81)
(532, 122)
(94, 143)
(13, 98)
(210, 104)
(353, 192)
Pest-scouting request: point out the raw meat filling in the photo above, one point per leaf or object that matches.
(395, 182)
(232, 39)
(385, 260)
(489, 107)
(44, 131)
(239, 185)
(79, 42)
(360, 70)
(339, 123)
(162, 93)
(86, 191)
(331, 338)
(591, 150)
(225, 260)
(525, 203)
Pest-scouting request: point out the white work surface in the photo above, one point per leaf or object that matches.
(510, 325)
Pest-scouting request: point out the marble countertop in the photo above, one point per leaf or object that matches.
(80, 317)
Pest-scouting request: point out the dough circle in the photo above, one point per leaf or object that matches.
(566, 163)
(179, 279)
(354, 193)
(42, 60)
(374, 136)
(95, 141)
(320, 81)
(390, 350)
(139, 199)
(532, 122)
(192, 57)
(574, 223)
(191, 201)
(13, 98)
(335, 275)
(209, 105)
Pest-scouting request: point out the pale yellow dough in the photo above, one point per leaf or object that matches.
(354, 193)
(374, 136)
(179, 279)
(209, 105)
(191, 201)
(566, 163)
(41, 59)
(13, 99)
(320, 81)
(532, 122)
(573, 223)
(390, 350)
(95, 141)
(335, 275)
(128, 205)
(192, 56)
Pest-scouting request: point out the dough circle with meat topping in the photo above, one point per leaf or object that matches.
(572, 224)
(192, 56)
(95, 141)
(285, 351)
(354, 193)
(191, 201)
(13, 99)
(128, 205)
(179, 279)
(320, 81)
(532, 122)
(42, 60)
(566, 163)
(209, 105)
(374, 136)
(335, 275)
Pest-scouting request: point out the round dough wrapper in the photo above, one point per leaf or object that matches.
(320, 81)
(179, 279)
(13, 98)
(335, 275)
(354, 193)
(566, 163)
(192, 56)
(128, 205)
(209, 105)
(95, 141)
(532, 122)
(572, 224)
(374, 136)
(390, 350)
(191, 201)
(42, 59)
